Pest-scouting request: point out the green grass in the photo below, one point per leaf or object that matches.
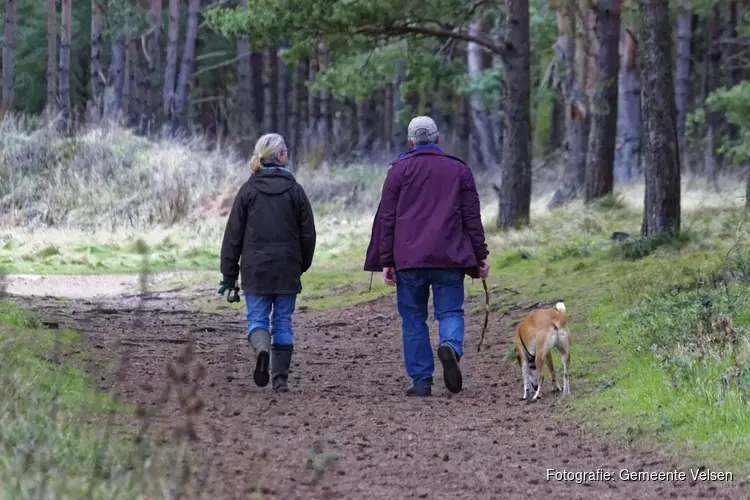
(45, 446)
(644, 368)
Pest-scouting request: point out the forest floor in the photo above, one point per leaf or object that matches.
(346, 430)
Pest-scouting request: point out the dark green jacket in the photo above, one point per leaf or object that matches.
(270, 235)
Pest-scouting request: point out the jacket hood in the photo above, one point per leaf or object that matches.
(273, 181)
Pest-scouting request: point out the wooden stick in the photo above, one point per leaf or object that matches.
(486, 313)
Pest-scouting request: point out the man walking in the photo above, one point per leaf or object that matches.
(428, 233)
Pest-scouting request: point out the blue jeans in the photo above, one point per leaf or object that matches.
(258, 312)
(412, 294)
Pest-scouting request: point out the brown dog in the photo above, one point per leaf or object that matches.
(540, 332)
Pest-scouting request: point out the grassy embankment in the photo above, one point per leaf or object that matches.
(55, 437)
(651, 361)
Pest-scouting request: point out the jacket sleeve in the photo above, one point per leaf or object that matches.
(306, 230)
(388, 206)
(234, 234)
(471, 215)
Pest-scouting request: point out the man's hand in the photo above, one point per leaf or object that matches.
(226, 284)
(389, 276)
(484, 269)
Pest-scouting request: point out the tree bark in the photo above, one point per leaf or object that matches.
(571, 52)
(173, 49)
(398, 140)
(482, 127)
(65, 38)
(186, 67)
(96, 74)
(515, 192)
(661, 212)
(153, 49)
(713, 82)
(301, 117)
(9, 44)
(282, 94)
(365, 126)
(51, 55)
(115, 88)
(313, 107)
(628, 153)
(246, 103)
(326, 109)
(269, 91)
(601, 148)
(682, 69)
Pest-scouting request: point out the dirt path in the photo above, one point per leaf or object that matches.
(347, 398)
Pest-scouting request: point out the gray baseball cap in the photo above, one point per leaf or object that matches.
(422, 130)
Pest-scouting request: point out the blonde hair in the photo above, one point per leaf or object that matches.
(268, 147)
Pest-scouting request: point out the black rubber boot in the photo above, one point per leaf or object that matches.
(420, 390)
(260, 341)
(451, 371)
(280, 362)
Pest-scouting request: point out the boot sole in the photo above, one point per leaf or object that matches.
(451, 371)
(261, 376)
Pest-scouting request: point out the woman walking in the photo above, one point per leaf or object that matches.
(272, 229)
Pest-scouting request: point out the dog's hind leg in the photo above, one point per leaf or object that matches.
(565, 351)
(551, 366)
(525, 372)
(540, 372)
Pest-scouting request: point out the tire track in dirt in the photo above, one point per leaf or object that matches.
(347, 384)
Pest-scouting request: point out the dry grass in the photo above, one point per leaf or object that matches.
(81, 205)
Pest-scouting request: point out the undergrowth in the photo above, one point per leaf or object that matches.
(660, 325)
(45, 446)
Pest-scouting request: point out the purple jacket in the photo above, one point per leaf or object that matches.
(428, 216)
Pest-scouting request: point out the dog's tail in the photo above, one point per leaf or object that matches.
(563, 316)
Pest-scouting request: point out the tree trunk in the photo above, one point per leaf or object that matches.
(386, 117)
(96, 73)
(313, 107)
(365, 127)
(186, 67)
(113, 93)
(136, 77)
(65, 38)
(496, 116)
(326, 109)
(51, 55)
(294, 109)
(660, 147)
(482, 127)
(257, 70)
(713, 82)
(153, 49)
(270, 118)
(301, 116)
(682, 70)
(245, 102)
(628, 154)
(601, 148)
(173, 49)
(127, 90)
(557, 128)
(282, 94)
(398, 140)
(9, 43)
(515, 192)
(571, 49)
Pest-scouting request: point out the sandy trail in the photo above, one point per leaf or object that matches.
(347, 398)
